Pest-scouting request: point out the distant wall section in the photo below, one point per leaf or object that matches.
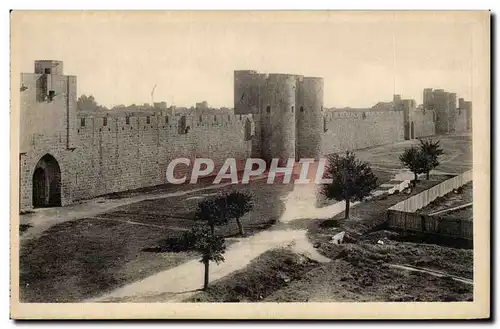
(351, 130)
(461, 121)
(422, 123)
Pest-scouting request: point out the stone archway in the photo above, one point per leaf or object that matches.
(47, 183)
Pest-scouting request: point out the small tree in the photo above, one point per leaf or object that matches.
(431, 151)
(88, 103)
(211, 211)
(211, 248)
(238, 204)
(415, 160)
(353, 180)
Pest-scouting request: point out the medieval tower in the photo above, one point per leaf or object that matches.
(49, 135)
(290, 108)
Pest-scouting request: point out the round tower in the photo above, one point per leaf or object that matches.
(310, 117)
(278, 117)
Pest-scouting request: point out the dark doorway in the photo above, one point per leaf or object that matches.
(47, 183)
(412, 130)
(407, 131)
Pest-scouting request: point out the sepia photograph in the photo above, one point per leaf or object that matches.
(250, 164)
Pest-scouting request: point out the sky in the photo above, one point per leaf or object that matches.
(364, 57)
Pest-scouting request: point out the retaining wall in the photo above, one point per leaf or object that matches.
(422, 199)
(449, 227)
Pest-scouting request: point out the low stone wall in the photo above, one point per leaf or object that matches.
(422, 199)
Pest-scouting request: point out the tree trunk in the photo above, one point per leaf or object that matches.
(205, 281)
(240, 227)
(347, 209)
(212, 229)
(428, 175)
(415, 179)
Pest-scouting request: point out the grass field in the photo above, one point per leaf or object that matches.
(451, 200)
(358, 273)
(84, 258)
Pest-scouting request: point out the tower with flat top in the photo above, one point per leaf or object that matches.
(290, 108)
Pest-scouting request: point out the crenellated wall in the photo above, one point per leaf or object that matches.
(116, 155)
(351, 130)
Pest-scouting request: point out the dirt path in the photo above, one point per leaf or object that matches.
(185, 280)
(43, 219)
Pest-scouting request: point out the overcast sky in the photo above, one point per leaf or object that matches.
(364, 58)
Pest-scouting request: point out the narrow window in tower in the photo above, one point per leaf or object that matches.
(268, 109)
(292, 109)
(82, 122)
(301, 109)
(52, 94)
(127, 120)
(148, 120)
(166, 120)
(182, 127)
(105, 121)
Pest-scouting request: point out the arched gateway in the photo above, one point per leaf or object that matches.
(47, 183)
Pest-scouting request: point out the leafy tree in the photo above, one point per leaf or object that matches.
(88, 103)
(353, 180)
(211, 248)
(431, 150)
(212, 211)
(223, 208)
(415, 160)
(238, 204)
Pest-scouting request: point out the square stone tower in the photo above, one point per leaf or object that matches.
(48, 135)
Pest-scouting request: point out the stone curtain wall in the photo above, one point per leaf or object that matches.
(120, 156)
(352, 130)
(423, 123)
